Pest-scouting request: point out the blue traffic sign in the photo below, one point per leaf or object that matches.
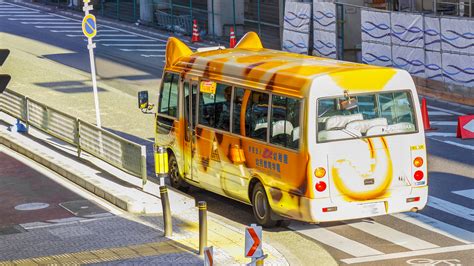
(89, 26)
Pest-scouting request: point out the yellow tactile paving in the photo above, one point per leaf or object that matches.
(101, 255)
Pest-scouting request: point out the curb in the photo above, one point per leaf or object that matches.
(122, 201)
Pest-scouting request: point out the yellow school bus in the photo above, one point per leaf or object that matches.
(295, 136)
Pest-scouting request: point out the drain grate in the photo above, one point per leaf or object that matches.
(83, 208)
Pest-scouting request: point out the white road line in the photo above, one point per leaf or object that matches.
(114, 35)
(67, 31)
(451, 208)
(135, 45)
(59, 27)
(334, 240)
(143, 50)
(444, 110)
(52, 23)
(409, 254)
(152, 55)
(464, 146)
(468, 193)
(28, 16)
(438, 113)
(392, 235)
(18, 12)
(122, 40)
(444, 123)
(437, 226)
(38, 19)
(440, 134)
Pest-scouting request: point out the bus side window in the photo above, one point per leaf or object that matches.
(168, 103)
(285, 129)
(256, 123)
(214, 109)
(238, 96)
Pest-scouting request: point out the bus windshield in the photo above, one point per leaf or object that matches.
(375, 114)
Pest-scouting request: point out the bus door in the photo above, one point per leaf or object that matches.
(190, 102)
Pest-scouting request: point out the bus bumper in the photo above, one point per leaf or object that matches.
(325, 210)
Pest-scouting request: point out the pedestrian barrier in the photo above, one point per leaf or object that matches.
(115, 150)
(176, 23)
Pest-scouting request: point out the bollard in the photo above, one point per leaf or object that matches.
(166, 211)
(202, 206)
(161, 164)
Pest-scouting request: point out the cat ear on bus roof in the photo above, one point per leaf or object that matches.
(176, 49)
(250, 41)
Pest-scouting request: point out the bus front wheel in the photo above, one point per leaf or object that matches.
(175, 178)
(261, 208)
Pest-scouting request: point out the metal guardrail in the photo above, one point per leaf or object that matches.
(115, 150)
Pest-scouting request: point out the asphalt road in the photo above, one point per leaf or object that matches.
(440, 233)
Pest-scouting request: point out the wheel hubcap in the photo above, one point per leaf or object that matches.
(260, 205)
(174, 173)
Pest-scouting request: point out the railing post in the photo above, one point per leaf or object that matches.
(27, 114)
(165, 203)
(259, 22)
(102, 7)
(143, 165)
(117, 9)
(78, 137)
(202, 206)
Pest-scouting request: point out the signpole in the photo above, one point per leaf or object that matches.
(89, 28)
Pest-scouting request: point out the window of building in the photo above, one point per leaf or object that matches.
(168, 103)
(285, 121)
(214, 108)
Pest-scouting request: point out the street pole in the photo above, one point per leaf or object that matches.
(91, 46)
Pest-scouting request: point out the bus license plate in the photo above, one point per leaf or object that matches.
(373, 208)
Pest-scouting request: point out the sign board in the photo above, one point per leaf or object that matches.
(89, 26)
(253, 242)
(465, 127)
(209, 256)
(208, 87)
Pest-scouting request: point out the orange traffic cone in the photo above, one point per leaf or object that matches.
(232, 42)
(425, 116)
(195, 37)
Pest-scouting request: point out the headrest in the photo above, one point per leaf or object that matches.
(340, 121)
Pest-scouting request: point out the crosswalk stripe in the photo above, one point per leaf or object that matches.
(114, 35)
(28, 15)
(152, 55)
(135, 45)
(384, 232)
(440, 134)
(444, 110)
(468, 193)
(410, 254)
(39, 19)
(438, 113)
(437, 226)
(123, 40)
(59, 27)
(336, 241)
(18, 12)
(464, 146)
(444, 123)
(142, 50)
(52, 23)
(451, 208)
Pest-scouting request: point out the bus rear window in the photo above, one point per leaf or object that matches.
(374, 114)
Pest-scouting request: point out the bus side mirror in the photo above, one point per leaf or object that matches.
(143, 101)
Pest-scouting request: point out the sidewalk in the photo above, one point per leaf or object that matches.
(125, 192)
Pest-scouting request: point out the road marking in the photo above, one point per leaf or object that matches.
(468, 193)
(115, 35)
(52, 23)
(18, 12)
(38, 19)
(29, 16)
(59, 27)
(451, 208)
(384, 232)
(440, 134)
(334, 240)
(444, 123)
(444, 110)
(409, 254)
(123, 40)
(469, 147)
(152, 55)
(143, 50)
(134, 45)
(437, 226)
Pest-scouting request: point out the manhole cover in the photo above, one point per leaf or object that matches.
(31, 206)
(82, 208)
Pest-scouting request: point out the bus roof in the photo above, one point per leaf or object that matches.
(251, 65)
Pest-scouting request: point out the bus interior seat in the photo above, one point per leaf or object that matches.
(364, 125)
(335, 134)
(340, 121)
(296, 133)
(282, 127)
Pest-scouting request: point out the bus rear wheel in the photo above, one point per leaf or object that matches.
(261, 208)
(176, 180)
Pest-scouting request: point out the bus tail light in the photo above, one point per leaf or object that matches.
(320, 172)
(321, 186)
(413, 199)
(418, 175)
(418, 162)
(329, 209)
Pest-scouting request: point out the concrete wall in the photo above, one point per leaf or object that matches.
(223, 14)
